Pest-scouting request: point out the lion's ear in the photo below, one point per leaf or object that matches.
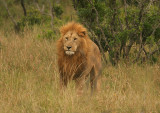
(82, 34)
(62, 31)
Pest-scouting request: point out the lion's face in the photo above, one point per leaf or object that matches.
(71, 42)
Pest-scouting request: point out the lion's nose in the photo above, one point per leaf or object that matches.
(69, 47)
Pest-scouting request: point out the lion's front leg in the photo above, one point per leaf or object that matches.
(63, 81)
(80, 85)
(95, 80)
(80, 81)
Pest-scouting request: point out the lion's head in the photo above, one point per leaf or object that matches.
(72, 35)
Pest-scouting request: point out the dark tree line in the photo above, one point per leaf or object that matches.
(127, 29)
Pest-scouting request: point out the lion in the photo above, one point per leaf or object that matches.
(78, 57)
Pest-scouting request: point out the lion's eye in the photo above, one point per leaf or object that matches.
(75, 38)
(66, 38)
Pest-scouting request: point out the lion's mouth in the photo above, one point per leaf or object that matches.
(70, 52)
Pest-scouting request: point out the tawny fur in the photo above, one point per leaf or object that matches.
(86, 60)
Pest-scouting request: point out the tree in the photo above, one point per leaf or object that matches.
(23, 6)
(118, 25)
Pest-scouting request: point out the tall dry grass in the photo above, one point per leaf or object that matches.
(29, 82)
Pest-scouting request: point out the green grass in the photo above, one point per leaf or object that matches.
(29, 82)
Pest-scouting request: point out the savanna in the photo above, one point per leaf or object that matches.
(126, 32)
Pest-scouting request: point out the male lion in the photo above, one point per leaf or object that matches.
(78, 56)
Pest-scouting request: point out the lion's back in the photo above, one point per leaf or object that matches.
(94, 54)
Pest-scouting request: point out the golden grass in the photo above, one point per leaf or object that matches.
(29, 82)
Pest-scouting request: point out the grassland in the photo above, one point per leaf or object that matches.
(29, 82)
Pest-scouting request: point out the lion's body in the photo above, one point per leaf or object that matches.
(82, 59)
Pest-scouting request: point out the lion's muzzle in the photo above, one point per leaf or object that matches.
(70, 52)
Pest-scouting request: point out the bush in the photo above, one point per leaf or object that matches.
(120, 27)
(47, 34)
(58, 10)
(33, 18)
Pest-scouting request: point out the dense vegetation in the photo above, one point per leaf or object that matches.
(127, 33)
(127, 30)
(118, 25)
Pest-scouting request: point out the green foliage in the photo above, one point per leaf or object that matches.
(38, 13)
(3, 14)
(58, 10)
(132, 15)
(47, 34)
(154, 59)
(150, 40)
(33, 18)
(151, 20)
(157, 34)
(147, 31)
(117, 25)
(123, 36)
(120, 22)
